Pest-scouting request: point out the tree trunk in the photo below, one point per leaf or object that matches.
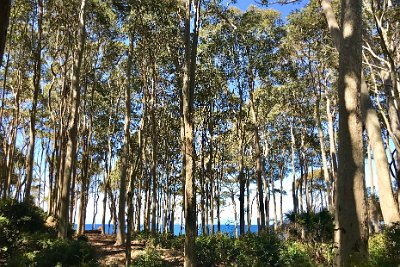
(125, 153)
(212, 204)
(242, 180)
(36, 86)
(317, 119)
(274, 204)
(249, 206)
(187, 108)
(131, 188)
(293, 147)
(371, 121)
(103, 216)
(332, 146)
(153, 154)
(374, 226)
(350, 212)
(232, 195)
(257, 146)
(5, 6)
(372, 124)
(72, 126)
(203, 195)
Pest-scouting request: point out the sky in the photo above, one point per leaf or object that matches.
(284, 9)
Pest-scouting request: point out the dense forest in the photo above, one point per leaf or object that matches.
(179, 112)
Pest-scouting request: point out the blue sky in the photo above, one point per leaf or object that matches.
(284, 9)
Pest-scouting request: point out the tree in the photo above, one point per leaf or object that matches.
(72, 125)
(187, 114)
(5, 6)
(36, 86)
(372, 125)
(350, 212)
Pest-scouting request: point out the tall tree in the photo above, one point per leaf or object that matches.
(72, 124)
(36, 88)
(125, 153)
(5, 6)
(189, 71)
(372, 125)
(350, 217)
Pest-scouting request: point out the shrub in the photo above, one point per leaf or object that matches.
(178, 242)
(163, 240)
(67, 253)
(295, 254)
(17, 222)
(384, 247)
(258, 250)
(214, 250)
(24, 216)
(151, 258)
(25, 239)
(142, 235)
(168, 240)
(318, 226)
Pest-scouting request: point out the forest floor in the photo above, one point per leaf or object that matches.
(111, 255)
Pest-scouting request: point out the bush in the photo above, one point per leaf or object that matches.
(318, 226)
(25, 239)
(295, 254)
(67, 253)
(163, 240)
(168, 240)
(258, 250)
(178, 242)
(151, 258)
(214, 250)
(384, 247)
(24, 216)
(142, 235)
(17, 222)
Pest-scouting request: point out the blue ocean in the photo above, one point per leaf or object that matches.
(178, 230)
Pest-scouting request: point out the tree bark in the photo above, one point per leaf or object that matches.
(125, 153)
(293, 147)
(5, 6)
(317, 119)
(36, 86)
(257, 145)
(187, 108)
(374, 226)
(153, 154)
(72, 125)
(371, 122)
(350, 214)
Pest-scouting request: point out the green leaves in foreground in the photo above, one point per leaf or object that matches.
(25, 240)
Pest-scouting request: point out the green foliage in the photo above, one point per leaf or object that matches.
(295, 254)
(168, 240)
(44, 251)
(25, 240)
(163, 240)
(384, 247)
(19, 224)
(254, 250)
(142, 235)
(23, 216)
(258, 250)
(151, 258)
(318, 226)
(67, 253)
(214, 250)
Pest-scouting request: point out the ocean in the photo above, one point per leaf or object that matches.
(178, 230)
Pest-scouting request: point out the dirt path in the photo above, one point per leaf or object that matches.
(111, 255)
